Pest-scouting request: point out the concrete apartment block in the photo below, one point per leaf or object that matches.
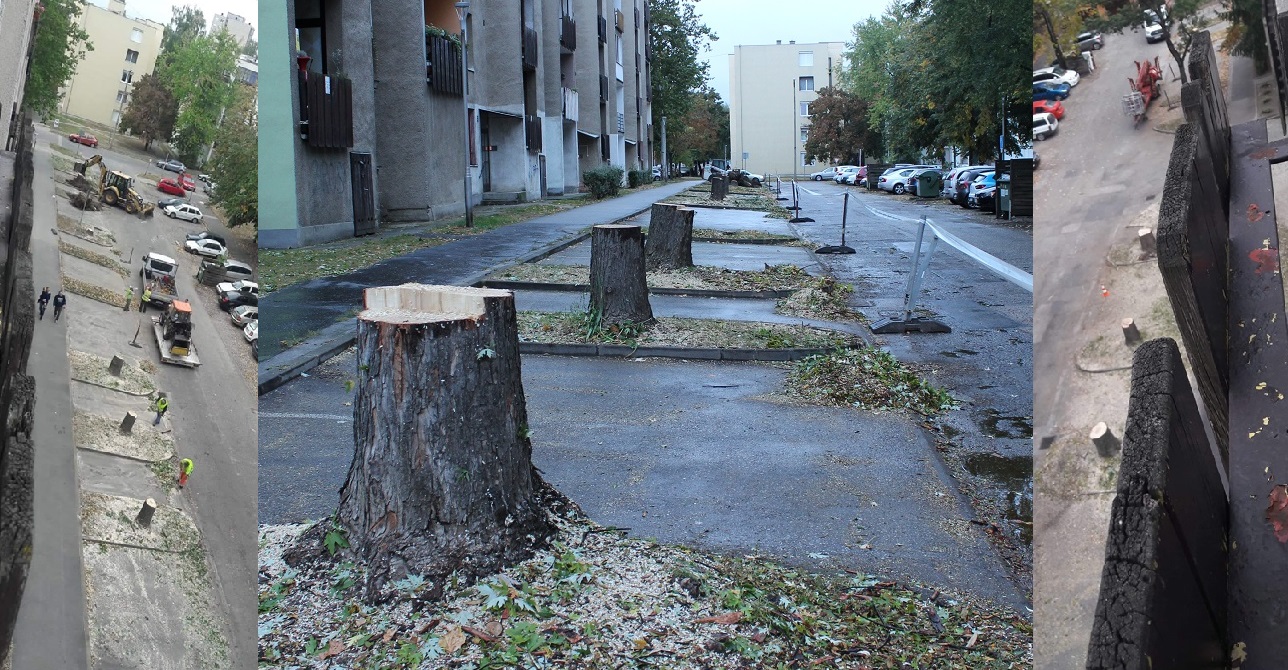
(16, 20)
(234, 25)
(125, 49)
(765, 124)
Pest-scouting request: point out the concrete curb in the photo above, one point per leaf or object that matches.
(697, 353)
(109, 388)
(753, 240)
(583, 288)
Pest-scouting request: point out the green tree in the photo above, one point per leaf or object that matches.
(702, 132)
(60, 44)
(200, 76)
(839, 128)
(251, 49)
(234, 165)
(187, 23)
(678, 37)
(1180, 22)
(152, 110)
(1247, 34)
(1055, 24)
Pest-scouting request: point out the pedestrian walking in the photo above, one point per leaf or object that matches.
(185, 469)
(147, 296)
(129, 297)
(60, 301)
(160, 406)
(44, 301)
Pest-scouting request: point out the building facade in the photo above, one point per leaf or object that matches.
(377, 129)
(770, 89)
(125, 49)
(17, 21)
(235, 25)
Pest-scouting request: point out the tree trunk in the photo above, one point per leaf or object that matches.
(442, 477)
(618, 285)
(719, 187)
(669, 244)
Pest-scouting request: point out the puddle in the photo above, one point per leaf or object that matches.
(1013, 477)
(958, 353)
(996, 425)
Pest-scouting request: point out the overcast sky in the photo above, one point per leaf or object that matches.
(160, 10)
(745, 22)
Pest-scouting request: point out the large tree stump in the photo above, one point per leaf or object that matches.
(669, 244)
(719, 187)
(618, 284)
(442, 477)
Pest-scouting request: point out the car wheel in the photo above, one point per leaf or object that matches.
(898, 189)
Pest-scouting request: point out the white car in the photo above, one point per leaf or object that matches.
(844, 170)
(1056, 75)
(183, 211)
(240, 286)
(251, 331)
(208, 248)
(829, 173)
(1044, 126)
(244, 314)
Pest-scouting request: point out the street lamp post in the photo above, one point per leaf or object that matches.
(462, 9)
(795, 133)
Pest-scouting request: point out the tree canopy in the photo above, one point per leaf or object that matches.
(152, 110)
(200, 76)
(678, 38)
(838, 128)
(234, 165)
(59, 45)
(1180, 21)
(187, 23)
(702, 132)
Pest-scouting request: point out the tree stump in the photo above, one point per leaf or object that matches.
(719, 187)
(618, 284)
(127, 424)
(114, 367)
(1106, 443)
(1148, 244)
(1130, 332)
(146, 512)
(442, 477)
(669, 244)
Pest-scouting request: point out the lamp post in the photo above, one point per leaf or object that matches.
(462, 8)
(795, 133)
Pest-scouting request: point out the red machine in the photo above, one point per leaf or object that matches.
(1147, 85)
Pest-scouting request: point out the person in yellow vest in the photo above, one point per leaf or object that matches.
(129, 297)
(160, 406)
(147, 295)
(185, 469)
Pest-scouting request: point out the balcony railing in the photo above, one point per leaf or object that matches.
(326, 110)
(532, 127)
(621, 122)
(603, 88)
(443, 65)
(568, 34)
(571, 105)
(529, 49)
(621, 20)
(603, 30)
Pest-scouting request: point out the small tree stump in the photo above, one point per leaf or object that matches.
(145, 513)
(1130, 332)
(719, 187)
(1104, 440)
(115, 366)
(127, 424)
(1148, 245)
(669, 244)
(442, 477)
(618, 283)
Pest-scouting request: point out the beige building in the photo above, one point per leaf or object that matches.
(125, 49)
(234, 25)
(15, 41)
(770, 89)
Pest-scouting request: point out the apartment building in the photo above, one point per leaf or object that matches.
(357, 132)
(125, 49)
(235, 25)
(17, 22)
(771, 87)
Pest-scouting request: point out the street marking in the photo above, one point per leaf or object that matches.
(808, 191)
(328, 417)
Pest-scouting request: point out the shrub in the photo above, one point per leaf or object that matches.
(603, 181)
(639, 177)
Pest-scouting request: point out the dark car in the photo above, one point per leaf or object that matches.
(204, 235)
(1050, 91)
(166, 202)
(231, 299)
(964, 180)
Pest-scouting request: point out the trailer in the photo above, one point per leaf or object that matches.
(1147, 86)
(173, 330)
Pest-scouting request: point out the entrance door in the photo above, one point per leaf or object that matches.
(486, 138)
(364, 198)
(542, 159)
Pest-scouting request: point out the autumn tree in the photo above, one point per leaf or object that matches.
(151, 112)
(1247, 34)
(678, 38)
(1055, 25)
(702, 132)
(838, 128)
(59, 45)
(1180, 21)
(200, 75)
(187, 23)
(234, 165)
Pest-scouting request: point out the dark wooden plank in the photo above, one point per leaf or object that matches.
(1162, 585)
(1258, 576)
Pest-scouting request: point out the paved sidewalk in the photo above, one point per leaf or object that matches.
(316, 306)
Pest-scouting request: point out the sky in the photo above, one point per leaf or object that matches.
(160, 10)
(746, 22)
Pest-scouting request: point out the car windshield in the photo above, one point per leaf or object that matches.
(160, 266)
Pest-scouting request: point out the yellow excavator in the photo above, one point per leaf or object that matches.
(116, 188)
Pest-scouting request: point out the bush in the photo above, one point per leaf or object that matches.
(638, 178)
(603, 181)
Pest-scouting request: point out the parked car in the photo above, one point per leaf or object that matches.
(186, 181)
(842, 170)
(203, 178)
(1051, 107)
(183, 211)
(170, 186)
(982, 184)
(205, 235)
(1089, 41)
(1044, 126)
(896, 181)
(1050, 91)
(230, 299)
(209, 248)
(166, 202)
(241, 285)
(84, 138)
(244, 314)
(251, 332)
(1055, 74)
(1154, 33)
(964, 180)
(828, 173)
(949, 190)
(230, 270)
(910, 184)
(172, 165)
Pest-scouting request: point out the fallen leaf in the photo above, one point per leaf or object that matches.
(1277, 512)
(1239, 653)
(332, 649)
(640, 643)
(452, 640)
(389, 635)
(727, 619)
(494, 628)
(973, 637)
(482, 635)
(1255, 213)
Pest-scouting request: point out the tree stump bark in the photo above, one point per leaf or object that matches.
(1130, 332)
(618, 283)
(146, 512)
(1148, 244)
(127, 424)
(115, 366)
(669, 244)
(442, 477)
(719, 187)
(1105, 440)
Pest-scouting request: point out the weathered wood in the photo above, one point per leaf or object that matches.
(1131, 334)
(719, 187)
(618, 283)
(1106, 442)
(115, 365)
(1148, 245)
(442, 477)
(669, 244)
(127, 424)
(146, 512)
(1163, 585)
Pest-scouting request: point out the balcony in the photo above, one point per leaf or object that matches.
(529, 49)
(571, 105)
(603, 89)
(621, 20)
(532, 127)
(443, 65)
(567, 34)
(621, 122)
(603, 30)
(326, 110)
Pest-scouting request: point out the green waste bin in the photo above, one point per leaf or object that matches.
(1003, 205)
(929, 184)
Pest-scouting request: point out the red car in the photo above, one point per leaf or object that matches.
(170, 186)
(186, 181)
(84, 138)
(1052, 107)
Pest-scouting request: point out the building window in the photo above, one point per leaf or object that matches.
(136, 36)
(116, 116)
(804, 134)
(807, 59)
(131, 56)
(802, 158)
(127, 76)
(310, 33)
(120, 97)
(807, 83)
(804, 109)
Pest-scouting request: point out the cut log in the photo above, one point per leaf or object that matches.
(1130, 332)
(1148, 245)
(618, 284)
(1106, 443)
(719, 187)
(115, 366)
(127, 424)
(669, 244)
(146, 512)
(442, 478)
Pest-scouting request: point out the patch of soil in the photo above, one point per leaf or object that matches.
(94, 369)
(700, 277)
(579, 328)
(101, 433)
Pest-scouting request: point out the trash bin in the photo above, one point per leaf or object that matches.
(929, 184)
(1003, 206)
